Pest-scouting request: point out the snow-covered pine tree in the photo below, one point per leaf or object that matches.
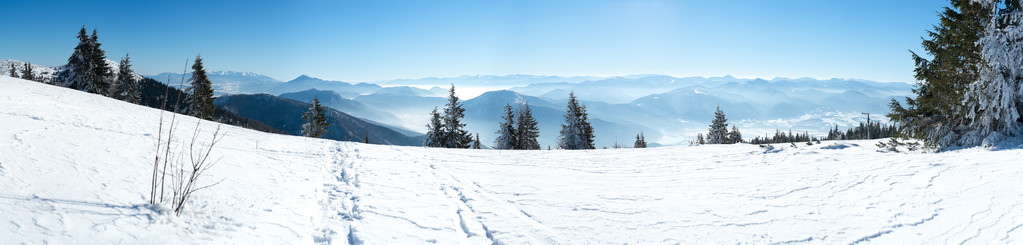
(507, 138)
(718, 133)
(99, 76)
(315, 120)
(14, 71)
(200, 94)
(937, 114)
(435, 130)
(527, 130)
(699, 139)
(476, 143)
(126, 86)
(73, 75)
(734, 136)
(991, 102)
(640, 141)
(27, 73)
(575, 133)
(455, 135)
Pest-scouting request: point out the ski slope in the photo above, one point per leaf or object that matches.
(75, 169)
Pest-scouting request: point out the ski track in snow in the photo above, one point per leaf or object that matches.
(74, 168)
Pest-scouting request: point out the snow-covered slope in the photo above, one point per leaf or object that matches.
(74, 168)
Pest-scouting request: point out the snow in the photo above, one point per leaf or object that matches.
(74, 168)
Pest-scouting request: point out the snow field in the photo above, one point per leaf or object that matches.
(75, 168)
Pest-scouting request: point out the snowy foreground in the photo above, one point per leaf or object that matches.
(75, 169)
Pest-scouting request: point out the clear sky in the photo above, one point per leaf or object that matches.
(379, 40)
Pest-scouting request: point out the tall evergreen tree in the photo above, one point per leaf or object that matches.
(936, 113)
(455, 135)
(588, 136)
(507, 138)
(99, 76)
(640, 141)
(126, 86)
(14, 71)
(27, 73)
(435, 130)
(78, 65)
(718, 133)
(576, 133)
(200, 94)
(527, 130)
(993, 102)
(315, 120)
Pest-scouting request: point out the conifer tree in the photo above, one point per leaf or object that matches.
(27, 73)
(993, 102)
(937, 112)
(200, 94)
(14, 71)
(126, 86)
(640, 141)
(315, 120)
(435, 130)
(455, 135)
(365, 137)
(734, 136)
(699, 139)
(99, 76)
(576, 133)
(78, 65)
(588, 136)
(527, 130)
(718, 133)
(507, 138)
(476, 143)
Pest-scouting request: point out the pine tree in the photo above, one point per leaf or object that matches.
(14, 71)
(640, 141)
(315, 121)
(507, 138)
(993, 101)
(99, 76)
(584, 120)
(78, 65)
(27, 73)
(200, 94)
(365, 137)
(936, 113)
(527, 130)
(699, 139)
(126, 86)
(455, 135)
(476, 143)
(718, 133)
(734, 136)
(576, 133)
(435, 130)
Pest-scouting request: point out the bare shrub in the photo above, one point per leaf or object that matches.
(169, 160)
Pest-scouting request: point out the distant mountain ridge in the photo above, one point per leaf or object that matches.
(286, 114)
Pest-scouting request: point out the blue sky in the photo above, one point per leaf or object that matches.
(379, 40)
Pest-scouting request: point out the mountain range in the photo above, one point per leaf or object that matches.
(666, 109)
